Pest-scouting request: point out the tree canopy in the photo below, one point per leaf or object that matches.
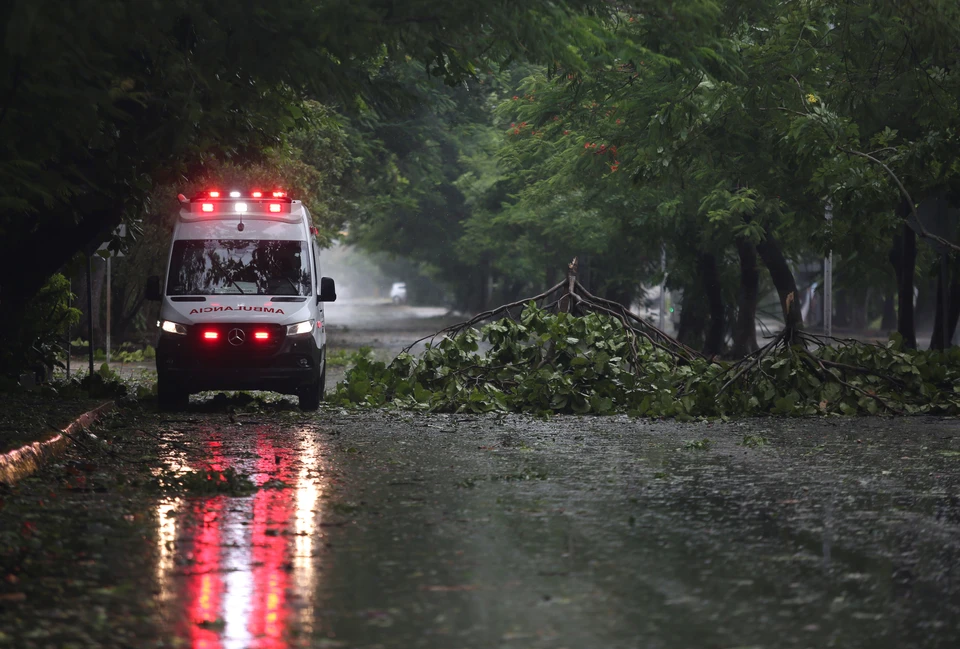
(491, 142)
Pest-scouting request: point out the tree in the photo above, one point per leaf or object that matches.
(98, 108)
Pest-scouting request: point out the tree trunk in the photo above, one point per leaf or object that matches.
(745, 329)
(954, 303)
(908, 260)
(710, 277)
(772, 256)
(693, 317)
(889, 320)
(890, 297)
(953, 299)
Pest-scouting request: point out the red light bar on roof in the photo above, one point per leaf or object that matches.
(218, 195)
(254, 201)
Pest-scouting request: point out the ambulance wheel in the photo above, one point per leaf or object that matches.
(171, 397)
(311, 395)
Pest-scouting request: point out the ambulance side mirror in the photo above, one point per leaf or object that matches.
(328, 290)
(153, 288)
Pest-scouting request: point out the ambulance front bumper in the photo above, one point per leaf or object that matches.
(235, 360)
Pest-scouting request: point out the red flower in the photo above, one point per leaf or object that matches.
(515, 98)
(566, 132)
(586, 146)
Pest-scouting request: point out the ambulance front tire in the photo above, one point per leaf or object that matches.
(171, 397)
(311, 395)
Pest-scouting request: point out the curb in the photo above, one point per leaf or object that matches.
(21, 462)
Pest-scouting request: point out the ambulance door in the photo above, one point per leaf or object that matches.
(320, 331)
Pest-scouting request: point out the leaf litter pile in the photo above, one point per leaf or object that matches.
(568, 351)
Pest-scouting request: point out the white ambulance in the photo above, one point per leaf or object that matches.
(242, 305)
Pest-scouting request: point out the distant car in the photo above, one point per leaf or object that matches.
(398, 293)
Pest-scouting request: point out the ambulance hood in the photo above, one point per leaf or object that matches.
(240, 308)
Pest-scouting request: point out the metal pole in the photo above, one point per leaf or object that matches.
(69, 305)
(108, 309)
(945, 299)
(90, 307)
(663, 286)
(828, 279)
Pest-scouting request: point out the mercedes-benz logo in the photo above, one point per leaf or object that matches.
(236, 337)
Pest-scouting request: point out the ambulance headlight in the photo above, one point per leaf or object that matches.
(173, 328)
(300, 328)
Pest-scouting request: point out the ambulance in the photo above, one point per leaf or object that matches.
(242, 301)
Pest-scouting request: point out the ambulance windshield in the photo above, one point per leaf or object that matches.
(239, 267)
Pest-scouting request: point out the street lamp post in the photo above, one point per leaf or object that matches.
(828, 279)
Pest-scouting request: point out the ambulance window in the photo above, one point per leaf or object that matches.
(235, 267)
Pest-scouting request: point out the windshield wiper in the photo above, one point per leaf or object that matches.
(296, 289)
(213, 260)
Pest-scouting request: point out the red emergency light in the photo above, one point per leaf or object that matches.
(215, 201)
(261, 335)
(211, 335)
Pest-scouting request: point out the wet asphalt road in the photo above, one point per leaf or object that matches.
(395, 530)
(388, 529)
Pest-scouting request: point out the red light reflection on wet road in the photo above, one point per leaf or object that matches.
(272, 511)
(205, 584)
(245, 554)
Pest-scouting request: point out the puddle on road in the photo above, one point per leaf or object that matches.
(241, 571)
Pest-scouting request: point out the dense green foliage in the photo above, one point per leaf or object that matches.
(100, 108)
(717, 132)
(490, 142)
(37, 344)
(546, 363)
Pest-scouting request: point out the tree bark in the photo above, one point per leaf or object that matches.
(693, 317)
(745, 329)
(889, 320)
(954, 302)
(906, 325)
(890, 297)
(772, 256)
(937, 338)
(710, 278)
